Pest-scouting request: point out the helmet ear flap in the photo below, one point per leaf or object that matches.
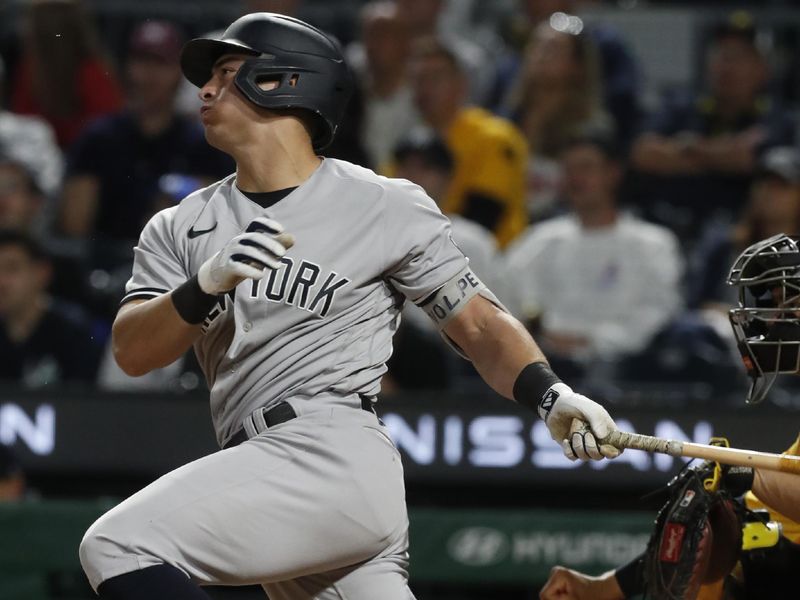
(297, 89)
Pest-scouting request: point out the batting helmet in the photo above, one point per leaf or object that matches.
(306, 64)
(766, 322)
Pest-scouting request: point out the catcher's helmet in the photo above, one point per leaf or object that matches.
(306, 64)
(767, 321)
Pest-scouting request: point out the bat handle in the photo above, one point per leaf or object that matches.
(637, 441)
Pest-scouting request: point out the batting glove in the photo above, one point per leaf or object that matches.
(560, 406)
(247, 256)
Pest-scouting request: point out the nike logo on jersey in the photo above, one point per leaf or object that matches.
(193, 233)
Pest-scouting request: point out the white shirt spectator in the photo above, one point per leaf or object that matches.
(386, 121)
(30, 141)
(615, 286)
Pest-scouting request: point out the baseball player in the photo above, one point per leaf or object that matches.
(767, 278)
(287, 278)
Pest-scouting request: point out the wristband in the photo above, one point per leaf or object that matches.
(191, 302)
(532, 386)
(738, 480)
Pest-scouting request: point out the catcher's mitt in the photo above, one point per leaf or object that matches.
(697, 536)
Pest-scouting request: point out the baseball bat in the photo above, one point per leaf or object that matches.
(785, 463)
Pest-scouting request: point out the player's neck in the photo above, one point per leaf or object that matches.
(254, 173)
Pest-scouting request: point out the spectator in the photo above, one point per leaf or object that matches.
(490, 153)
(699, 154)
(62, 76)
(12, 479)
(424, 20)
(555, 98)
(42, 342)
(380, 62)
(24, 207)
(30, 140)
(114, 168)
(598, 283)
(619, 72)
(773, 208)
(21, 199)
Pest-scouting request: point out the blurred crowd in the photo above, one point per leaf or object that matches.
(605, 225)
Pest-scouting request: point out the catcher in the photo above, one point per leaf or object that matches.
(707, 544)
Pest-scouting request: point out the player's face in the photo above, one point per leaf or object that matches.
(22, 279)
(227, 115)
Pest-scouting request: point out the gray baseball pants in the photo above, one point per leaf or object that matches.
(313, 508)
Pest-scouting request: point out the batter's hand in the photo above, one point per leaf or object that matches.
(566, 584)
(247, 256)
(560, 406)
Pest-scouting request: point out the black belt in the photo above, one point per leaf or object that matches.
(282, 412)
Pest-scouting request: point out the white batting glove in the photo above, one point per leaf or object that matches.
(247, 256)
(560, 406)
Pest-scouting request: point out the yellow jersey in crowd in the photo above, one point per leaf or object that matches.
(490, 156)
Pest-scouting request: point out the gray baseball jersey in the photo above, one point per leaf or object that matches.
(312, 508)
(323, 322)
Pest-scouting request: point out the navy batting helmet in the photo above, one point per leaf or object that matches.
(306, 65)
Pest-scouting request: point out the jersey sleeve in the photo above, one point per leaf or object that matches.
(420, 253)
(157, 266)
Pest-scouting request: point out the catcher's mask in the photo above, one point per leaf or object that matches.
(767, 321)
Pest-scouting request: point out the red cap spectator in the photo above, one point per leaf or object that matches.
(156, 39)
